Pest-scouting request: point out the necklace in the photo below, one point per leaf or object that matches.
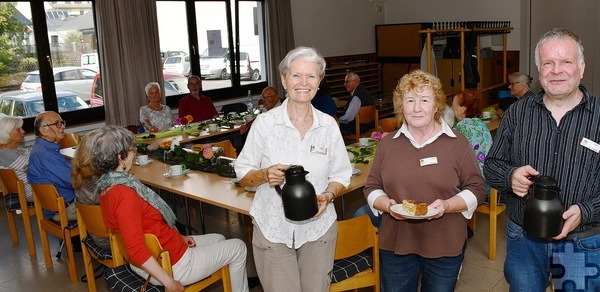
(156, 108)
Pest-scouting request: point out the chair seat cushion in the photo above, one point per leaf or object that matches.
(11, 201)
(348, 267)
(123, 278)
(99, 253)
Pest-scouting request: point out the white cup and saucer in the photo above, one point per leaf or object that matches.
(142, 160)
(213, 127)
(363, 142)
(176, 171)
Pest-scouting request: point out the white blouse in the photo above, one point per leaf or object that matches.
(273, 139)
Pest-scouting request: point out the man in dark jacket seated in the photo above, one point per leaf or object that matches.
(359, 96)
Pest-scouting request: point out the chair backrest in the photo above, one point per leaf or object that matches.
(228, 149)
(91, 219)
(48, 197)
(237, 107)
(10, 182)
(133, 128)
(389, 124)
(69, 140)
(354, 236)
(163, 257)
(368, 114)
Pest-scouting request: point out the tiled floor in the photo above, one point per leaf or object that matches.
(20, 273)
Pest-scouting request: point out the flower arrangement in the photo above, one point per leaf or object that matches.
(378, 135)
(183, 122)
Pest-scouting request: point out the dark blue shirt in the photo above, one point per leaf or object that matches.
(325, 103)
(48, 166)
(529, 135)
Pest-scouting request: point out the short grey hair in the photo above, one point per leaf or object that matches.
(150, 85)
(520, 77)
(106, 145)
(193, 76)
(353, 76)
(308, 55)
(554, 34)
(7, 126)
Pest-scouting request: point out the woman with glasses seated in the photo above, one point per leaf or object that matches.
(13, 154)
(132, 209)
(519, 88)
(155, 116)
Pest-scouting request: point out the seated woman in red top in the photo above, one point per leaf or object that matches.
(132, 209)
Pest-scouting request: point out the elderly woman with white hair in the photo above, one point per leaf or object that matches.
(13, 155)
(295, 255)
(155, 116)
(132, 209)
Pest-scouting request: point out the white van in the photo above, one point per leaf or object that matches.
(90, 61)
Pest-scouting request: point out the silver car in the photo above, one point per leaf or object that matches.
(29, 104)
(177, 64)
(74, 79)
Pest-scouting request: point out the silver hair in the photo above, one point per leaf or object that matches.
(353, 76)
(308, 55)
(150, 85)
(554, 34)
(106, 145)
(520, 77)
(7, 125)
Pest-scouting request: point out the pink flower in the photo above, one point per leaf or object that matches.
(207, 152)
(377, 136)
(177, 121)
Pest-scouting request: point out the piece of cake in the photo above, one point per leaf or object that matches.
(414, 208)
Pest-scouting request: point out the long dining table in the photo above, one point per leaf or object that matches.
(214, 189)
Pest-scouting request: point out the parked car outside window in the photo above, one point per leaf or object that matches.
(246, 70)
(173, 83)
(178, 64)
(29, 104)
(213, 64)
(73, 79)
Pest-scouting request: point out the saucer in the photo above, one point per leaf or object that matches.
(168, 174)
(250, 189)
(356, 171)
(234, 181)
(149, 161)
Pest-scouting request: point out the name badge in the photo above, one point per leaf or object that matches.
(589, 144)
(319, 150)
(428, 161)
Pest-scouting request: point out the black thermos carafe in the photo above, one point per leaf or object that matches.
(544, 209)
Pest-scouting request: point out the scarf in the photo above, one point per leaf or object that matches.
(112, 178)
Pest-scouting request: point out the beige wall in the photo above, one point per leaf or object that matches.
(336, 27)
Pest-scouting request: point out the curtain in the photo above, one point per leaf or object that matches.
(129, 55)
(280, 38)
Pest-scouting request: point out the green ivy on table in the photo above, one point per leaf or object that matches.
(363, 154)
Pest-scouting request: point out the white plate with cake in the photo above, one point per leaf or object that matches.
(413, 210)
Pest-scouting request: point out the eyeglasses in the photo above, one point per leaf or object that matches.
(62, 122)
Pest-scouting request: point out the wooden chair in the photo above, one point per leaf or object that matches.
(228, 149)
(69, 140)
(366, 115)
(133, 128)
(493, 210)
(389, 124)
(46, 197)
(354, 236)
(164, 259)
(11, 184)
(89, 221)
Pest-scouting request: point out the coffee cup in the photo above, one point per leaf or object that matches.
(363, 141)
(175, 170)
(212, 127)
(486, 115)
(142, 159)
